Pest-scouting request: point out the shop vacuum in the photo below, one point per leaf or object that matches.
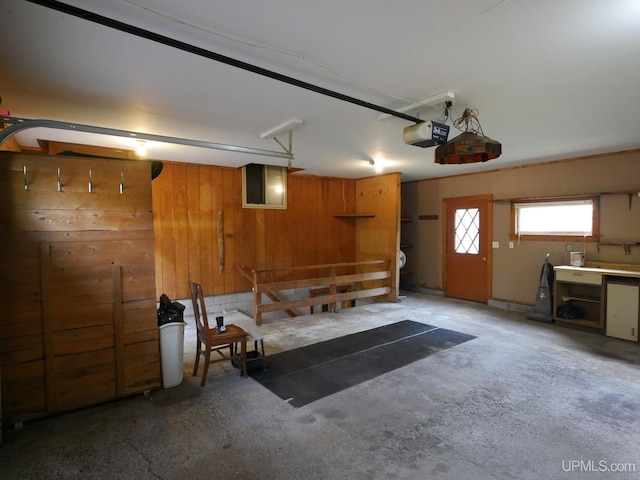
(543, 310)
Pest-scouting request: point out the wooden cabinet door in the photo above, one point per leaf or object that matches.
(622, 311)
(79, 305)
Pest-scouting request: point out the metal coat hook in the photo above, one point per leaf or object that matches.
(59, 182)
(26, 180)
(121, 183)
(90, 182)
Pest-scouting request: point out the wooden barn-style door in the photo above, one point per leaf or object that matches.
(77, 262)
(82, 319)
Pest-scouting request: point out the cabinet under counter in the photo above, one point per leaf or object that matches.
(581, 298)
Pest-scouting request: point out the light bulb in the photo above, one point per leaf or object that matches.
(141, 149)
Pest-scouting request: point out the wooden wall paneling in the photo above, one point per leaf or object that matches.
(21, 344)
(246, 241)
(312, 222)
(138, 282)
(285, 220)
(93, 251)
(156, 202)
(316, 225)
(207, 223)
(78, 200)
(118, 324)
(93, 383)
(47, 328)
(167, 229)
(139, 321)
(230, 203)
(218, 199)
(239, 232)
(344, 197)
(274, 253)
(142, 367)
(300, 221)
(23, 388)
(140, 353)
(292, 237)
(69, 220)
(378, 238)
(305, 233)
(84, 340)
(181, 231)
(324, 220)
(194, 230)
(260, 238)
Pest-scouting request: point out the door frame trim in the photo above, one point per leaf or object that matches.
(445, 219)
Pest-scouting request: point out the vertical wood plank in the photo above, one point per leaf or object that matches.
(181, 233)
(118, 323)
(229, 203)
(167, 231)
(217, 205)
(239, 238)
(194, 227)
(260, 246)
(206, 231)
(158, 187)
(379, 237)
(47, 333)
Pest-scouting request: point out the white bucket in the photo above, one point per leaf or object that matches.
(172, 353)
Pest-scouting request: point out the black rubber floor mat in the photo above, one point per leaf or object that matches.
(306, 374)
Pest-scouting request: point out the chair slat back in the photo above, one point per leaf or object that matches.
(199, 309)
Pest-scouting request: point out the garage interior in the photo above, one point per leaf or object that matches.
(417, 365)
(521, 400)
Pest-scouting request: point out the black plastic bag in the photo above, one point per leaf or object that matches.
(569, 311)
(169, 312)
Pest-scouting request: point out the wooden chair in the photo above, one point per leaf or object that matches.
(209, 340)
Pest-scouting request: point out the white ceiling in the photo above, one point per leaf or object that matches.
(551, 79)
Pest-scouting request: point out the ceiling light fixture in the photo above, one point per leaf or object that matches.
(141, 148)
(378, 165)
(471, 146)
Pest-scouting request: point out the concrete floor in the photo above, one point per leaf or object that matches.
(524, 400)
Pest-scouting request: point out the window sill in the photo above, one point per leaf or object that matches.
(554, 238)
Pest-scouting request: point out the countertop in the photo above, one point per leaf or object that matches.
(602, 271)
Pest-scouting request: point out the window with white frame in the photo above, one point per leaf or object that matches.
(556, 219)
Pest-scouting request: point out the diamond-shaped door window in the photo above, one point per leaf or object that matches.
(467, 231)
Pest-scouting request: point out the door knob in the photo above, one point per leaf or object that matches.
(484, 259)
